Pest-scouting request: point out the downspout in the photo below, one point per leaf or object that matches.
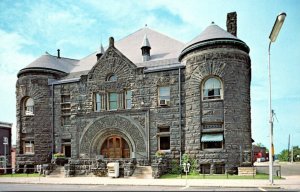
(148, 148)
(52, 131)
(180, 128)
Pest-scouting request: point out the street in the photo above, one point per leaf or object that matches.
(48, 187)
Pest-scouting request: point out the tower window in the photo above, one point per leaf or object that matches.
(29, 105)
(212, 89)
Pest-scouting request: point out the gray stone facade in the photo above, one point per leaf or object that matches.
(65, 115)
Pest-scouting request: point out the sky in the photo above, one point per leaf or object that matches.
(30, 28)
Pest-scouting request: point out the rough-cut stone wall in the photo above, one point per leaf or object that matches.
(162, 115)
(232, 66)
(35, 127)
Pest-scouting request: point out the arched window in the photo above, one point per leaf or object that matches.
(112, 77)
(29, 104)
(212, 88)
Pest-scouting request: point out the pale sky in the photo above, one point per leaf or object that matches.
(30, 28)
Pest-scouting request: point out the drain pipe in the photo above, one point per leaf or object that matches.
(52, 136)
(180, 128)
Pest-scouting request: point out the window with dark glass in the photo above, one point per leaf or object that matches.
(212, 140)
(212, 89)
(163, 138)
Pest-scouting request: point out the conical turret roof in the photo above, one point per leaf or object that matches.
(212, 33)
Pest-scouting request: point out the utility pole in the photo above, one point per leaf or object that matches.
(289, 148)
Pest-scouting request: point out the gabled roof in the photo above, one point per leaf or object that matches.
(162, 48)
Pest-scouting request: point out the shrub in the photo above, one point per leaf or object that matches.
(175, 167)
(59, 155)
(193, 162)
(160, 154)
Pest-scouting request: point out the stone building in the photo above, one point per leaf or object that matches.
(5, 147)
(143, 93)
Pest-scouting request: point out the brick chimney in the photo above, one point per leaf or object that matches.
(231, 23)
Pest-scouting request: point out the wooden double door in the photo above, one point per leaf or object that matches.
(115, 147)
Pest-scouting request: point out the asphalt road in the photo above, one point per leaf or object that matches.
(47, 187)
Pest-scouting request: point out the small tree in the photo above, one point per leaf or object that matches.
(193, 163)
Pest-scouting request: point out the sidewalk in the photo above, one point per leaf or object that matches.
(291, 182)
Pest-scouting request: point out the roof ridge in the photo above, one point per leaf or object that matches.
(48, 54)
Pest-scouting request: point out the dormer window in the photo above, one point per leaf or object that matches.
(212, 89)
(28, 106)
(112, 77)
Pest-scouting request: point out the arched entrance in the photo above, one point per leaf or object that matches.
(115, 147)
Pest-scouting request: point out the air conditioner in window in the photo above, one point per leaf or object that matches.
(164, 102)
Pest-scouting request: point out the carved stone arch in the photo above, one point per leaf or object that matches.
(124, 125)
(206, 69)
(100, 138)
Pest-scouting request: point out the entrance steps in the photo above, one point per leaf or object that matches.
(142, 172)
(59, 171)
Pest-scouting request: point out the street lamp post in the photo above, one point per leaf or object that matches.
(273, 35)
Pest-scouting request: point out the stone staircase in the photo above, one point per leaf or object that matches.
(59, 171)
(142, 172)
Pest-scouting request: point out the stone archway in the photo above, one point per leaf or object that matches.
(95, 134)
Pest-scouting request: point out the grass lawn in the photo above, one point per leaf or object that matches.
(21, 175)
(217, 176)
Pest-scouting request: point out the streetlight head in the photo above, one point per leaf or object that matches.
(277, 26)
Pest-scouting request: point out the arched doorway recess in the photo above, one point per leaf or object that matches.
(115, 147)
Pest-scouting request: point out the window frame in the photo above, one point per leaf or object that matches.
(127, 99)
(96, 102)
(31, 147)
(28, 109)
(109, 101)
(219, 142)
(159, 96)
(111, 77)
(163, 134)
(213, 97)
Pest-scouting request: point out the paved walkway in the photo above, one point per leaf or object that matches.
(291, 182)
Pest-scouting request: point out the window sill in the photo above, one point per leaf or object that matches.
(214, 150)
(28, 154)
(209, 100)
(167, 151)
(28, 115)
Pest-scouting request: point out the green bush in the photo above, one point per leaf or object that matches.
(175, 167)
(193, 162)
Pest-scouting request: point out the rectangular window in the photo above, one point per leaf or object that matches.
(65, 120)
(97, 101)
(163, 138)
(212, 141)
(28, 147)
(113, 101)
(164, 96)
(65, 99)
(128, 95)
